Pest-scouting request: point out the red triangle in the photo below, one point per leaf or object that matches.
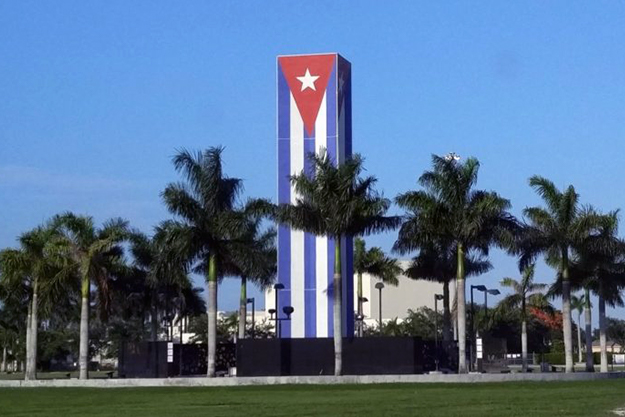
(308, 100)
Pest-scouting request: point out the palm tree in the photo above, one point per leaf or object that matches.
(208, 224)
(601, 266)
(451, 210)
(12, 313)
(93, 255)
(577, 304)
(336, 202)
(522, 292)
(30, 266)
(160, 275)
(579, 281)
(16, 279)
(558, 231)
(253, 259)
(438, 263)
(590, 365)
(375, 263)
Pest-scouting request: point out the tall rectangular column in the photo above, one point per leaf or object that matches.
(314, 114)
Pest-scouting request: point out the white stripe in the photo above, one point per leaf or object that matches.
(344, 284)
(297, 237)
(321, 244)
(321, 126)
(322, 285)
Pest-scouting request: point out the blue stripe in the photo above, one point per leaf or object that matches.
(330, 290)
(332, 144)
(348, 290)
(348, 287)
(284, 195)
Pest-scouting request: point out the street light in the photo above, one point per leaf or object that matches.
(360, 317)
(437, 297)
(287, 310)
(491, 292)
(253, 302)
(486, 291)
(380, 286)
(473, 335)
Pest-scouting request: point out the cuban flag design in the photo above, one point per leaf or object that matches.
(314, 113)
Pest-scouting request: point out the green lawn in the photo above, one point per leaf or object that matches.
(595, 398)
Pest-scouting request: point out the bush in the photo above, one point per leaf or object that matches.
(554, 358)
(557, 358)
(596, 357)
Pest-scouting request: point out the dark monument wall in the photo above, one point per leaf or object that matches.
(267, 357)
(361, 356)
(149, 359)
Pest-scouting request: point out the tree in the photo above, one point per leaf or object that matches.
(557, 231)
(31, 268)
(449, 209)
(615, 330)
(93, 255)
(162, 278)
(228, 328)
(336, 202)
(375, 263)
(522, 292)
(579, 281)
(601, 268)
(253, 259)
(12, 312)
(208, 226)
(577, 304)
(438, 262)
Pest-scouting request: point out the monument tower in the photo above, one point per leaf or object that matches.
(314, 114)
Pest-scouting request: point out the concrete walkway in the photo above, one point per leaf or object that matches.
(281, 380)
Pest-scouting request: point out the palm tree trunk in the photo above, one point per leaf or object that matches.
(31, 365)
(447, 330)
(3, 366)
(243, 308)
(154, 322)
(566, 313)
(524, 345)
(338, 309)
(212, 315)
(29, 320)
(359, 304)
(602, 335)
(590, 366)
(83, 354)
(462, 318)
(523, 335)
(579, 336)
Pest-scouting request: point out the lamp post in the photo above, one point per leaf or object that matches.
(486, 291)
(277, 287)
(287, 310)
(437, 297)
(491, 292)
(380, 286)
(473, 331)
(360, 317)
(253, 302)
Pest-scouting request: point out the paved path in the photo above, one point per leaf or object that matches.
(280, 380)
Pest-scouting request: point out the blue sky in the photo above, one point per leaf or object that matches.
(96, 96)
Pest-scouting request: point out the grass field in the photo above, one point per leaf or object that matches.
(595, 398)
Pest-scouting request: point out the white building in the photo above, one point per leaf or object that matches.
(396, 301)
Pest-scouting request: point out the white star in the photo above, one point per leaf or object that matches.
(308, 81)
